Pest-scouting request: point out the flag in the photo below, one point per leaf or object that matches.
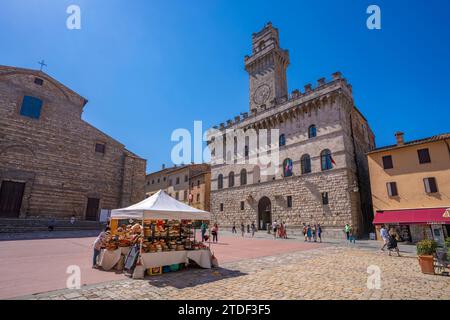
(332, 160)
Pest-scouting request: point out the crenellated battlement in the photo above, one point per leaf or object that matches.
(310, 92)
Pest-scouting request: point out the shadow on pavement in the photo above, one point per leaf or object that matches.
(196, 276)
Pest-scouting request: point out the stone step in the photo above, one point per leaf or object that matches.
(32, 225)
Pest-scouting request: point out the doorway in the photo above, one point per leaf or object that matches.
(93, 205)
(11, 195)
(264, 213)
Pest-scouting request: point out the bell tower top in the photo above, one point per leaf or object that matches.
(266, 68)
(267, 37)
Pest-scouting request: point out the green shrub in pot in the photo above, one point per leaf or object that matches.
(426, 247)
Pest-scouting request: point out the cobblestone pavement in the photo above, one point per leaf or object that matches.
(334, 272)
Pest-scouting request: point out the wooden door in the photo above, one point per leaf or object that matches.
(92, 209)
(11, 195)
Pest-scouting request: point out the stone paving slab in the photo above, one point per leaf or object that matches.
(337, 272)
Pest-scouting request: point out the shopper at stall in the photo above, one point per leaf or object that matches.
(215, 232)
(392, 242)
(253, 229)
(98, 244)
(242, 229)
(203, 230)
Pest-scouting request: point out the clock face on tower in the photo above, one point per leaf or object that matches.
(262, 94)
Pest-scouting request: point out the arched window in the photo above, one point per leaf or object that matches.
(282, 140)
(306, 164)
(312, 131)
(220, 182)
(326, 160)
(243, 177)
(231, 180)
(287, 168)
(256, 174)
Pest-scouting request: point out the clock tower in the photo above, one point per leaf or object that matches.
(266, 68)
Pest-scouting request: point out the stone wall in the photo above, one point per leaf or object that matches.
(307, 207)
(55, 155)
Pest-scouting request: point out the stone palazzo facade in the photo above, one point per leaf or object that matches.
(323, 140)
(52, 162)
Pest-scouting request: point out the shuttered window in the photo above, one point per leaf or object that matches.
(387, 162)
(430, 185)
(31, 107)
(392, 189)
(424, 156)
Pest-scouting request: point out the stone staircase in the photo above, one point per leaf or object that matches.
(33, 225)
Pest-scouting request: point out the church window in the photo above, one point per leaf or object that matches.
(38, 81)
(100, 148)
(31, 107)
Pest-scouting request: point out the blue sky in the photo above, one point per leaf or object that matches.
(148, 67)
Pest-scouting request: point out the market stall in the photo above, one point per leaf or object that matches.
(164, 236)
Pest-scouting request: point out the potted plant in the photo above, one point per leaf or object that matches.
(425, 251)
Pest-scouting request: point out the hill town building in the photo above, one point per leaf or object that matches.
(187, 183)
(323, 139)
(52, 162)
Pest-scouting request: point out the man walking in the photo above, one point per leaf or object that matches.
(319, 232)
(253, 229)
(385, 236)
(275, 228)
(347, 231)
(233, 230)
(305, 232)
(242, 229)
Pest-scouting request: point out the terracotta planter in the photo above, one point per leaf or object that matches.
(426, 264)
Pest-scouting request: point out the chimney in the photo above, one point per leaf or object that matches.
(399, 137)
(163, 166)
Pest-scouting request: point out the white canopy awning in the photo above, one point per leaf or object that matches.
(160, 206)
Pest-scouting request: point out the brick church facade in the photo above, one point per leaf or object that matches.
(323, 140)
(52, 162)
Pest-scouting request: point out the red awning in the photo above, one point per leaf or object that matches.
(413, 216)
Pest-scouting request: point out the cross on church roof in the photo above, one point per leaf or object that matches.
(42, 63)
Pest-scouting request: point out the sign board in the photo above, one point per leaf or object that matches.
(132, 257)
(446, 213)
